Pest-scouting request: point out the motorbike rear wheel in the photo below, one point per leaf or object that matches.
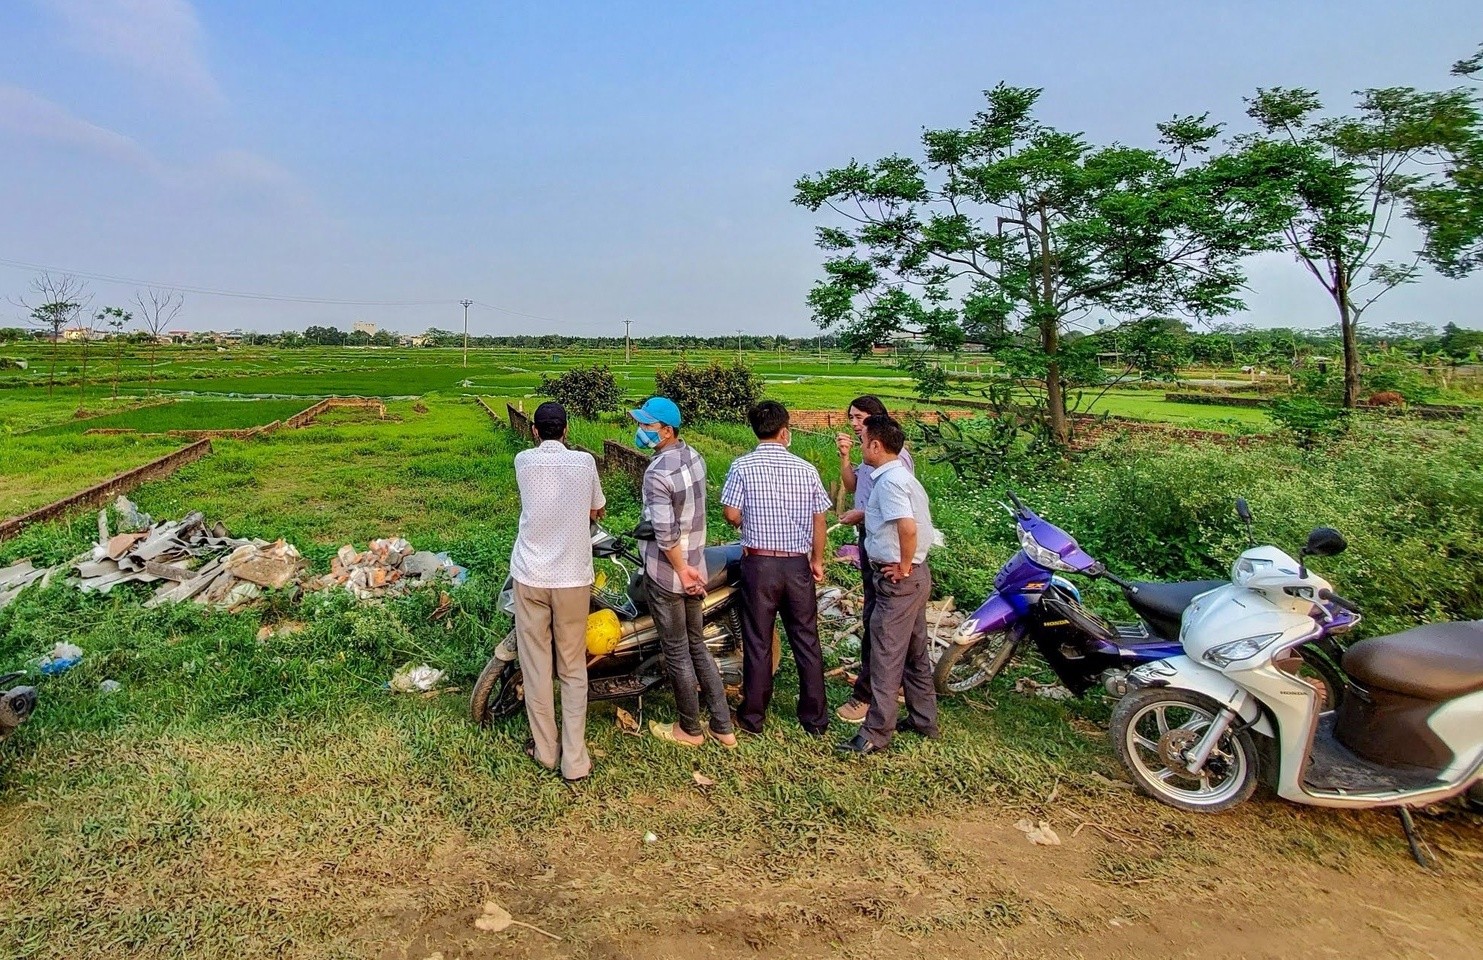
(961, 667)
(1149, 727)
(497, 692)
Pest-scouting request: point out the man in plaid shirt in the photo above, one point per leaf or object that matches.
(674, 565)
(779, 503)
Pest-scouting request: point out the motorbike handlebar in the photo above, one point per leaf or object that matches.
(1101, 571)
(1338, 601)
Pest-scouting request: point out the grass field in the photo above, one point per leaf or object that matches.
(188, 414)
(247, 797)
(36, 469)
(269, 798)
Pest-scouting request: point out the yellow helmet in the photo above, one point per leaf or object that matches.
(603, 633)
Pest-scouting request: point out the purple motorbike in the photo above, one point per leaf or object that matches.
(1033, 606)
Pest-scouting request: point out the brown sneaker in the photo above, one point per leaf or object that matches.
(852, 711)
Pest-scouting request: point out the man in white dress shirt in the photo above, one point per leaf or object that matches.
(560, 496)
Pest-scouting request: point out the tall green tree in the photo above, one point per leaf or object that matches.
(1407, 153)
(1009, 224)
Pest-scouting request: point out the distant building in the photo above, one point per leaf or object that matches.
(176, 336)
(361, 326)
(76, 334)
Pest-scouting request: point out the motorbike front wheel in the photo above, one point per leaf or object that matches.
(497, 693)
(1150, 728)
(962, 666)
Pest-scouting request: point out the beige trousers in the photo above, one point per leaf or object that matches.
(551, 635)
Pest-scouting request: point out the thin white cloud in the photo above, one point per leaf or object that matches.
(160, 40)
(31, 119)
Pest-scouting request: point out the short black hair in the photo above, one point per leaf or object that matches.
(768, 419)
(550, 420)
(887, 431)
(869, 404)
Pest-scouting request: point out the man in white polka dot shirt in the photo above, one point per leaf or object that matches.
(560, 496)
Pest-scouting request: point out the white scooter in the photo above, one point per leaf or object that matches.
(1408, 731)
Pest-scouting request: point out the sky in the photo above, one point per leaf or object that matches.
(571, 165)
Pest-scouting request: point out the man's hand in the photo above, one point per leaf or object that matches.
(852, 518)
(817, 566)
(897, 572)
(733, 515)
(692, 581)
(845, 442)
(596, 515)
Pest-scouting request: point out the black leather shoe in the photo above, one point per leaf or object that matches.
(856, 746)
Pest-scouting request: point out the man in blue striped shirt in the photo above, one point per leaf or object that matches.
(779, 502)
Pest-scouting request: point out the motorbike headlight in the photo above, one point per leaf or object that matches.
(1244, 649)
(1041, 555)
(1246, 567)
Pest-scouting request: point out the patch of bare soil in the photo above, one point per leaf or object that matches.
(1271, 881)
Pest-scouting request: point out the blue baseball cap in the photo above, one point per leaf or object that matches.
(658, 410)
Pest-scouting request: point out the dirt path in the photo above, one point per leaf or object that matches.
(970, 887)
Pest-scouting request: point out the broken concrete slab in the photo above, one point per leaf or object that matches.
(16, 573)
(95, 569)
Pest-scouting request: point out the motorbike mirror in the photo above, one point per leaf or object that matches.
(1243, 511)
(1324, 542)
(644, 531)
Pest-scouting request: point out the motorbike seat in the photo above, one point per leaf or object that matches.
(722, 565)
(1162, 605)
(1435, 662)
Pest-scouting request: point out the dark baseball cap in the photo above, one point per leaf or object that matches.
(550, 419)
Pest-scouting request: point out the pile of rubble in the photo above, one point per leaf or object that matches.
(841, 625)
(189, 560)
(386, 568)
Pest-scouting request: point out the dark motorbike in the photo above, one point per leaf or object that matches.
(635, 665)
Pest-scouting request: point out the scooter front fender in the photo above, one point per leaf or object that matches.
(1185, 674)
(995, 615)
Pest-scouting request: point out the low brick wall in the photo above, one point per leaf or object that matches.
(246, 433)
(519, 422)
(305, 417)
(101, 493)
(617, 457)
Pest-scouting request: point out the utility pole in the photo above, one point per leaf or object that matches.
(466, 304)
(627, 342)
(739, 358)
